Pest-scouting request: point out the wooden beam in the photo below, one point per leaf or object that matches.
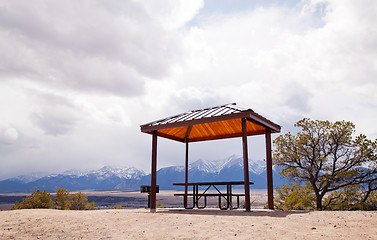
(234, 135)
(160, 134)
(154, 171)
(245, 165)
(186, 173)
(182, 140)
(258, 119)
(270, 184)
(189, 128)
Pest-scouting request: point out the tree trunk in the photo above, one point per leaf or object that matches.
(368, 192)
(319, 201)
(318, 196)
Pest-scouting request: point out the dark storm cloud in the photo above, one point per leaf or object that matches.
(53, 124)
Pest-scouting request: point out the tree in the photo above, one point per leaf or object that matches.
(61, 199)
(328, 156)
(37, 199)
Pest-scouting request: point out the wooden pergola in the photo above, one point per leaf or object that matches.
(220, 122)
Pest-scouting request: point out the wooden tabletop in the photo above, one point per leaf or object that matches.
(212, 183)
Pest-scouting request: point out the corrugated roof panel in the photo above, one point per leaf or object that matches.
(221, 112)
(217, 110)
(191, 115)
(194, 115)
(207, 113)
(178, 118)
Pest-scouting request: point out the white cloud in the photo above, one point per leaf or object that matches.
(280, 59)
(172, 14)
(78, 78)
(88, 45)
(8, 135)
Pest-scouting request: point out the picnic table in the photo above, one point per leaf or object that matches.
(196, 195)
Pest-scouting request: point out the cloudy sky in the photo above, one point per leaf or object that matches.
(78, 78)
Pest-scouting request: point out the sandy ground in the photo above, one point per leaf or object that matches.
(186, 224)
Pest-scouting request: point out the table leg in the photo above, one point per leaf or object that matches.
(196, 192)
(193, 200)
(230, 196)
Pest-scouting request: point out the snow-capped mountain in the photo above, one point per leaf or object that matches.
(228, 169)
(106, 172)
(204, 166)
(255, 166)
(29, 177)
(130, 178)
(106, 178)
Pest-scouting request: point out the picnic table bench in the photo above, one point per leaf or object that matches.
(196, 196)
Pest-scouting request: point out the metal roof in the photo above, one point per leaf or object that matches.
(212, 123)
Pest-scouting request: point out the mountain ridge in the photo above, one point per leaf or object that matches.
(130, 178)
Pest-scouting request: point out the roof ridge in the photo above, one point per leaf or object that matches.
(238, 108)
(207, 108)
(189, 112)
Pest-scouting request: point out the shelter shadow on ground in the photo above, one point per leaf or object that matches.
(255, 213)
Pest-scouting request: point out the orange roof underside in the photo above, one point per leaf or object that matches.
(211, 131)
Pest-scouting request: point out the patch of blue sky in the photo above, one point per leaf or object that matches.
(225, 7)
(318, 14)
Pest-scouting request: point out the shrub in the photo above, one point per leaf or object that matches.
(295, 197)
(118, 206)
(61, 200)
(159, 204)
(79, 201)
(37, 199)
(299, 197)
(372, 201)
(350, 198)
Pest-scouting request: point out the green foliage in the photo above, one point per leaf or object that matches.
(350, 198)
(118, 206)
(294, 197)
(371, 202)
(79, 201)
(327, 156)
(159, 204)
(37, 199)
(61, 200)
(222, 205)
(43, 199)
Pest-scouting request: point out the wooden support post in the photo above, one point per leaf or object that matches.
(186, 174)
(245, 165)
(189, 128)
(154, 171)
(270, 184)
